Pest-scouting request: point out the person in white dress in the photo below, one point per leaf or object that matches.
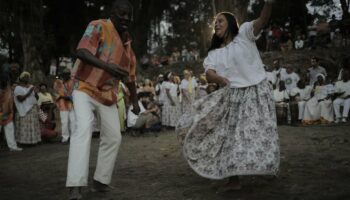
(342, 88)
(319, 108)
(188, 89)
(302, 94)
(233, 130)
(170, 110)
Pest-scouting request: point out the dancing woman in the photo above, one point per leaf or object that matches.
(233, 131)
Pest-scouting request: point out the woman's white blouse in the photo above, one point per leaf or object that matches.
(239, 61)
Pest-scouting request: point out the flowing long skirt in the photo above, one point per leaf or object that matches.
(170, 113)
(318, 111)
(28, 127)
(232, 132)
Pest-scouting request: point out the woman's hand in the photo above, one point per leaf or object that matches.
(224, 82)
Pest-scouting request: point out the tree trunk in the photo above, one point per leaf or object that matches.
(32, 38)
(345, 8)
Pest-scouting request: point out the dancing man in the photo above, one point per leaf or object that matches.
(104, 57)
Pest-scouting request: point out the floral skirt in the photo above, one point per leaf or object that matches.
(170, 113)
(232, 132)
(28, 129)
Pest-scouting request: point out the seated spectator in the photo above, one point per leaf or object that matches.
(299, 43)
(281, 98)
(146, 119)
(319, 108)
(45, 101)
(342, 90)
(301, 94)
(290, 79)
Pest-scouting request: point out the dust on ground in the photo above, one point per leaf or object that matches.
(315, 165)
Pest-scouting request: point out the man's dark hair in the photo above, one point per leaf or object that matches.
(116, 4)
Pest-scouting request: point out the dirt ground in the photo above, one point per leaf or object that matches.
(315, 164)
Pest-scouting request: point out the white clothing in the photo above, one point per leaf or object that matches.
(10, 135)
(79, 151)
(132, 117)
(271, 77)
(161, 94)
(239, 61)
(341, 86)
(290, 80)
(315, 110)
(279, 96)
(53, 70)
(313, 73)
(281, 72)
(299, 44)
(172, 87)
(67, 124)
(26, 105)
(346, 107)
(304, 94)
(185, 83)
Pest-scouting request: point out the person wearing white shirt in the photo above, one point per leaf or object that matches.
(299, 43)
(319, 108)
(342, 88)
(278, 71)
(290, 79)
(302, 94)
(226, 130)
(188, 89)
(171, 107)
(158, 89)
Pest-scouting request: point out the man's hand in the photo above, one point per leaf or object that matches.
(136, 108)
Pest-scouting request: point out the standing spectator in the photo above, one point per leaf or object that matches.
(290, 79)
(188, 90)
(278, 71)
(64, 103)
(6, 111)
(203, 84)
(312, 33)
(184, 54)
(27, 118)
(314, 70)
(159, 90)
(175, 54)
(170, 110)
(342, 88)
(53, 67)
(299, 43)
(345, 66)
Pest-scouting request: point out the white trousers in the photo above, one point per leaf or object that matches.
(301, 108)
(341, 102)
(79, 151)
(67, 123)
(10, 135)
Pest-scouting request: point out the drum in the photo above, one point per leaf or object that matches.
(282, 113)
